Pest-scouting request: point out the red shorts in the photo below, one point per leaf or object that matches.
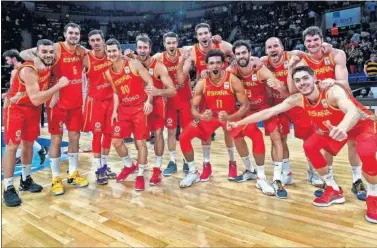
(21, 123)
(328, 144)
(70, 117)
(303, 126)
(131, 120)
(363, 130)
(97, 115)
(172, 113)
(270, 125)
(156, 119)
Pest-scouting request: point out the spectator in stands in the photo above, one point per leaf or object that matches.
(372, 10)
(363, 94)
(334, 31)
(370, 68)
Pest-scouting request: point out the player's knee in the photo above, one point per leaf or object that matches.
(117, 143)
(171, 132)
(12, 147)
(276, 137)
(73, 136)
(56, 139)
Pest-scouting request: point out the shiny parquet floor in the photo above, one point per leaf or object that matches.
(217, 213)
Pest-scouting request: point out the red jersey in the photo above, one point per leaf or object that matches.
(200, 59)
(325, 68)
(183, 93)
(98, 86)
(322, 111)
(18, 88)
(255, 89)
(156, 81)
(220, 97)
(70, 66)
(280, 71)
(128, 86)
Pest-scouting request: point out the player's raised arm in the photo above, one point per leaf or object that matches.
(184, 65)
(241, 98)
(196, 99)
(272, 81)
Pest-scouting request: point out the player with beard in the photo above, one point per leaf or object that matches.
(329, 66)
(164, 88)
(338, 117)
(257, 84)
(66, 106)
(29, 89)
(98, 105)
(219, 91)
(178, 105)
(197, 57)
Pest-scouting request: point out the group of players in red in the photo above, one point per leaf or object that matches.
(130, 94)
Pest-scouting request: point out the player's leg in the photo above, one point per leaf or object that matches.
(358, 187)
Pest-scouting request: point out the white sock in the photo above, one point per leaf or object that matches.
(329, 180)
(72, 162)
(8, 182)
(206, 153)
(127, 161)
(37, 146)
(55, 166)
(172, 156)
(141, 170)
(192, 166)
(18, 153)
(278, 169)
(260, 172)
(104, 159)
(26, 171)
(248, 166)
(372, 189)
(231, 153)
(286, 167)
(331, 169)
(97, 162)
(356, 173)
(158, 161)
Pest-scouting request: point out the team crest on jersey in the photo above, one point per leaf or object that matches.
(324, 103)
(127, 70)
(151, 71)
(226, 85)
(286, 64)
(327, 61)
(97, 125)
(254, 77)
(169, 121)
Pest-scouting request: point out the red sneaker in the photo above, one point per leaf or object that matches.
(371, 214)
(156, 177)
(329, 197)
(232, 174)
(207, 171)
(139, 183)
(126, 171)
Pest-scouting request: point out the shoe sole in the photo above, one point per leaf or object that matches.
(281, 197)
(154, 184)
(337, 201)
(257, 186)
(102, 183)
(244, 180)
(58, 193)
(370, 220)
(78, 185)
(196, 181)
(21, 190)
(139, 189)
(231, 179)
(170, 174)
(12, 205)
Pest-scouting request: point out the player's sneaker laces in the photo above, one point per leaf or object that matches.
(207, 172)
(171, 169)
(57, 187)
(329, 197)
(11, 198)
(77, 180)
(139, 183)
(109, 173)
(265, 187)
(358, 188)
(246, 175)
(29, 185)
(287, 179)
(156, 177)
(126, 171)
(371, 214)
(315, 179)
(232, 173)
(101, 175)
(280, 192)
(189, 179)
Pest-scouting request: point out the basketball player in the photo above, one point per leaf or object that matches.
(257, 84)
(331, 66)
(130, 110)
(165, 88)
(22, 118)
(66, 106)
(219, 92)
(98, 105)
(178, 106)
(197, 57)
(337, 117)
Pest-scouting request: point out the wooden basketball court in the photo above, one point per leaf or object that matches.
(217, 213)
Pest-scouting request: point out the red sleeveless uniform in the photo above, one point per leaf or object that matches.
(325, 68)
(68, 109)
(156, 119)
(302, 123)
(99, 101)
(130, 90)
(178, 105)
(21, 116)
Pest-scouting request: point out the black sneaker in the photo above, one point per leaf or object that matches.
(358, 188)
(29, 185)
(42, 155)
(11, 198)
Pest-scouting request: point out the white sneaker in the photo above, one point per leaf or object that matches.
(247, 175)
(265, 187)
(189, 179)
(315, 179)
(287, 179)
